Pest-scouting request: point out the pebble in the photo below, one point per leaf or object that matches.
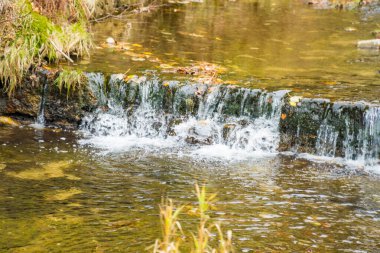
(111, 41)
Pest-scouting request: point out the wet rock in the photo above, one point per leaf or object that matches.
(60, 109)
(250, 103)
(68, 111)
(187, 98)
(171, 126)
(338, 129)
(227, 129)
(24, 102)
(232, 101)
(347, 121)
(299, 124)
(194, 140)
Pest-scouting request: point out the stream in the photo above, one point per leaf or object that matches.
(290, 142)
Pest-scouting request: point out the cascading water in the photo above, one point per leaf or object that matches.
(225, 120)
(360, 136)
(40, 120)
(183, 114)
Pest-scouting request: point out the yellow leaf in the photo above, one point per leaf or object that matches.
(294, 100)
(330, 82)
(130, 77)
(8, 121)
(137, 45)
(166, 84)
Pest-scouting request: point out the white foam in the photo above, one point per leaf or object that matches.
(349, 164)
(37, 126)
(117, 144)
(223, 152)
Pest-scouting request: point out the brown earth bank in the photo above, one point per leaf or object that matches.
(60, 109)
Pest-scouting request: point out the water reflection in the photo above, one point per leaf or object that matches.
(273, 204)
(266, 44)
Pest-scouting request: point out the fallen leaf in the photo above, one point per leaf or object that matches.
(130, 77)
(283, 116)
(8, 121)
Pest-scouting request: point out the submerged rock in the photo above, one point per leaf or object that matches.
(59, 108)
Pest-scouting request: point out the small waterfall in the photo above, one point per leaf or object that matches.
(359, 132)
(196, 114)
(209, 118)
(370, 137)
(40, 120)
(326, 140)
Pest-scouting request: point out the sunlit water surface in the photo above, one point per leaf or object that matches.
(265, 44)
(59, 196)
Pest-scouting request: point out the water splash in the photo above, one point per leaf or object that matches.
(359, 134)
(218, 121)
(185, 114)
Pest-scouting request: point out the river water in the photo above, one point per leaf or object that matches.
(262, 44)
(59, 196)
(98, 189)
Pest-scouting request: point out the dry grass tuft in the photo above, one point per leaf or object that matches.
(201, 240)
(42, 31)
(71, 81)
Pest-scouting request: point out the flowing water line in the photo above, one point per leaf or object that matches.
(40, 120)
(255, 128)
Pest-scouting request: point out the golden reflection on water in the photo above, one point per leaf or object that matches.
(280, 45)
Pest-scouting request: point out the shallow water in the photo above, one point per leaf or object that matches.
(58, 196)
(265, 44)
(68, 192)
